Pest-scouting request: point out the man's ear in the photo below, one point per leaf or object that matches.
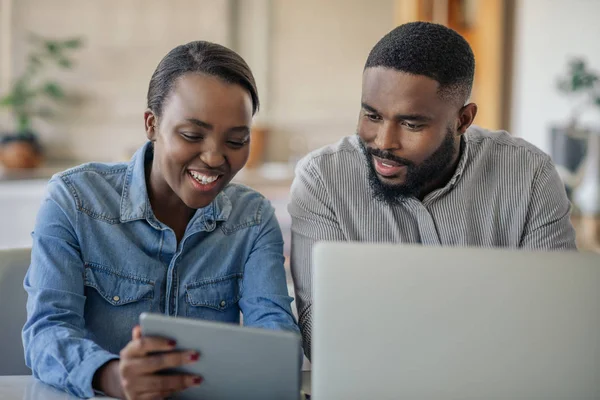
(465, 117)
(151, 125)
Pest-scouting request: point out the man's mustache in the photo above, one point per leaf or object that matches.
(386, 155)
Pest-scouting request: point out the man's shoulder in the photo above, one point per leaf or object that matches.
(485, 139)
(502, 151)
(345, 153)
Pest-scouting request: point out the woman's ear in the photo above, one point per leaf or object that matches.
(466, 116)
(150, 123)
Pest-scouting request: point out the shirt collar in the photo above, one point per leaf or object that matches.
(135, 203)
(460, 168)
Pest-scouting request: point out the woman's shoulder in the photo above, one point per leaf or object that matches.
(247, 204)
(88, 184)
(99, 168)
(244, 197)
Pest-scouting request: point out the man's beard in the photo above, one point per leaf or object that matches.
(417, 176)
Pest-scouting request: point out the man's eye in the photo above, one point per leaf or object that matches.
(373, 117)
(236, 145)
(412, 127)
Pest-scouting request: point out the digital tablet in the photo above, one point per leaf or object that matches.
(236, 362)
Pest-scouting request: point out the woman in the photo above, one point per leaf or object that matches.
(163, 233)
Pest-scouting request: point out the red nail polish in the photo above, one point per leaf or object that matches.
(194, 357)
(172, 343)
(197, 381)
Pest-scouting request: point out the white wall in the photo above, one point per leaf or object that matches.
(547, 33)
(307, 56)
(318, 50)
(124, 42)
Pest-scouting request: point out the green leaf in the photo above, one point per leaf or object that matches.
(53, 90)
(21, 95)
(52, 47)
(577, 65)
(73, 43)
(35, 60)
(578, 79)
(6, 101)
(65, 62)
(23, 122)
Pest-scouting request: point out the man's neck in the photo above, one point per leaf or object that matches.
(446, 175)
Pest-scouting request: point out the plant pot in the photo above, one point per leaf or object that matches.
(568, 147)
(586, 195)
(20, 151)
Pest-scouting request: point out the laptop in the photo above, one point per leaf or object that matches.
(414, 322)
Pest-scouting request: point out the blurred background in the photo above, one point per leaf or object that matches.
(90, 62)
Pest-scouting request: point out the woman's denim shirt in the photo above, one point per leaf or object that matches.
(100, 258)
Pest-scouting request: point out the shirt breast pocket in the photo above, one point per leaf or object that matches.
(114, 300)
(214, 299)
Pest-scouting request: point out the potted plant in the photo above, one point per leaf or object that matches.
(569, 142)
(575, 149)
(30, 96)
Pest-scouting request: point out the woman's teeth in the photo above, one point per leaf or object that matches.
(203, 179)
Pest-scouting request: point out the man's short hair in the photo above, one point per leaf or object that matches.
(432, 50)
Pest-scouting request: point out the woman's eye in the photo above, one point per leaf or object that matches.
(191, 136)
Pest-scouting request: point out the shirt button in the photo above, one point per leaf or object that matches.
(223, 303)
(116, 298)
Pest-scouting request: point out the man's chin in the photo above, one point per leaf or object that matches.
(392, 182)
(390, 193)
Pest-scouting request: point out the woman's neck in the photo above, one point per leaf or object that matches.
(167, 207)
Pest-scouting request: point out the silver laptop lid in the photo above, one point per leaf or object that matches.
(411, 322)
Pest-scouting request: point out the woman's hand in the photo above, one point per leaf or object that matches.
(134, 376)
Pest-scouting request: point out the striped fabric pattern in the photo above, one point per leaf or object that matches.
(505, 193)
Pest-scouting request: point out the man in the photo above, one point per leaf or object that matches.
(418, 172)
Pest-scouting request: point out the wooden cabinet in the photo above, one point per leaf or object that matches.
(488, 27)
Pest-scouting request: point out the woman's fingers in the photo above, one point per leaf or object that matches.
(157, 362)
(146, 344)
(143, 357)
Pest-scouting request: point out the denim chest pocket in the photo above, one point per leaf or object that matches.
(113, 304)
(116, 288)
(214, 299)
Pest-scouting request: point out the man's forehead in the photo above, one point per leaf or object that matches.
(385, 88)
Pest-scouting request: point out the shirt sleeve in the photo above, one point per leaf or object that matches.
(313, 220)
(265, 301)
(548, 223)
(57, 346)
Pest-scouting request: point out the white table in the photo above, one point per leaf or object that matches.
(29, 388)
